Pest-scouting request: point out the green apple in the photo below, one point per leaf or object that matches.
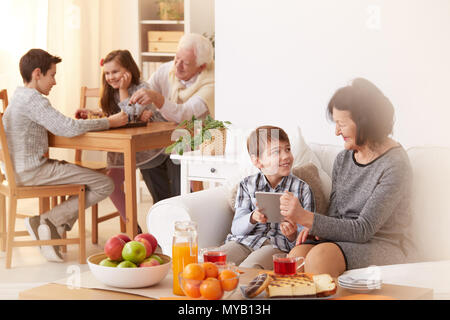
(126, 264)
(155, 256)
(108, 263)
(134, 251)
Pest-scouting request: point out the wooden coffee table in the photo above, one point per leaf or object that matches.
(54, 291)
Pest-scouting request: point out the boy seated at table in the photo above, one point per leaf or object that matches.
(253, 240)
(27, 121)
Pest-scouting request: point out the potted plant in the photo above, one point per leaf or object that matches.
(171, 9)
(208, 136)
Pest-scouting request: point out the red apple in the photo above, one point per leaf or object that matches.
(124, 237)
(149, 238)
(150, 262)
(114, 247)
(148, 247)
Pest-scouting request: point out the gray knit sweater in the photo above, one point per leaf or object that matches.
(28, 119)
(370, 201)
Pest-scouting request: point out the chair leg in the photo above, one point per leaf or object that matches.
(64, 246)
(123, 228)
(81, 226)
(3, 222)
(11, 229)
(94, 210)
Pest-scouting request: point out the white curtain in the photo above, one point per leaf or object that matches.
(73, 34)
(81, 32)
(23, 25)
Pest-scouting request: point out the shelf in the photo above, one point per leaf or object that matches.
(162, 21)
(157, 54)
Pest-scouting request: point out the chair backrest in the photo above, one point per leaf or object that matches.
(4, 98)
(5, 158)
(86, 93)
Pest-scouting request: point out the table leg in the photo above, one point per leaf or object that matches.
(130, 189)
(185, 186)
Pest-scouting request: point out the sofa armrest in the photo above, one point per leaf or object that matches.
(209, 208)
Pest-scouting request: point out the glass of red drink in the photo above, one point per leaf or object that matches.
(284, 265)
(214, 254)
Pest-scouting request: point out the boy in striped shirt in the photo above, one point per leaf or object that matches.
(253, 240)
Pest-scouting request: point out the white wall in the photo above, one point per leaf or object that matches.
(280, 61)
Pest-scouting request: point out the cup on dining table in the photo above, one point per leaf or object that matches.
(214, 254)
(285, 265)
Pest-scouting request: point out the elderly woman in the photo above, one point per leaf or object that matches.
(369, 213)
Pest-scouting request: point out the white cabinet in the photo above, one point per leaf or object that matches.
(197, 167)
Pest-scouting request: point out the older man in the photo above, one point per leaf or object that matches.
(179, 89)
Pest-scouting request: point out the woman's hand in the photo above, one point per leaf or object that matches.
(146, 115)
(118, 119)
(289, 230)
(292, 210)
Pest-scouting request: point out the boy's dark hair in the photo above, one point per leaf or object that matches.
(262, 136)
(370, 109)
(36, 58)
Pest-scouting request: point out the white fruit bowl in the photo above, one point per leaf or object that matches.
(129, 277)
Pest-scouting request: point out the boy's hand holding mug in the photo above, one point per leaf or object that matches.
(118, 119)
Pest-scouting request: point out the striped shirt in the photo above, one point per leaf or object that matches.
(254, 235)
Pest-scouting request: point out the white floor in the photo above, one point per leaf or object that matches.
(29, 269)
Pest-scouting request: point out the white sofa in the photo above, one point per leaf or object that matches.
(431, 211)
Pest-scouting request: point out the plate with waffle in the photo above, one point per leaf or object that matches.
(268, 285)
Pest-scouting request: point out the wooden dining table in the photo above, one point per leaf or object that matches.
(127, 141)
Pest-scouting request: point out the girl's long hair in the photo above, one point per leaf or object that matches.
(123, 58)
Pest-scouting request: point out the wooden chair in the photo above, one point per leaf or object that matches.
(8, 188)
(98, 166)
(4, 98)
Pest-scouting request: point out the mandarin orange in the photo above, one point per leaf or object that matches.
(211, 270)
(211, 289)
(192, 288)
(228, 279)
(194, 271)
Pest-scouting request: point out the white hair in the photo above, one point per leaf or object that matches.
(202, 47)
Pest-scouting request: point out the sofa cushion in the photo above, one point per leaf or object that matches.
(430, 202)
(310, 175)
(303, 154)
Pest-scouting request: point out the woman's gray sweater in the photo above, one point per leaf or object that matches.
(369, 201)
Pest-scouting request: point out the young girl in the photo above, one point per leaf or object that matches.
(120, 79)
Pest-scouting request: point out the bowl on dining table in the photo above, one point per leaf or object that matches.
(139, 277)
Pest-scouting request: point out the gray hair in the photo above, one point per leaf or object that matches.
(202, 47)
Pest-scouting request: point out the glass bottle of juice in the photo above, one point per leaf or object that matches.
(184, 250)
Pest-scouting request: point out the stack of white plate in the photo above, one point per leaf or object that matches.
(359, 283)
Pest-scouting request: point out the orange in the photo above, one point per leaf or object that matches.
(211, 270)
(211, 289)
(228, 279)
(192, 288)
(194, 271)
